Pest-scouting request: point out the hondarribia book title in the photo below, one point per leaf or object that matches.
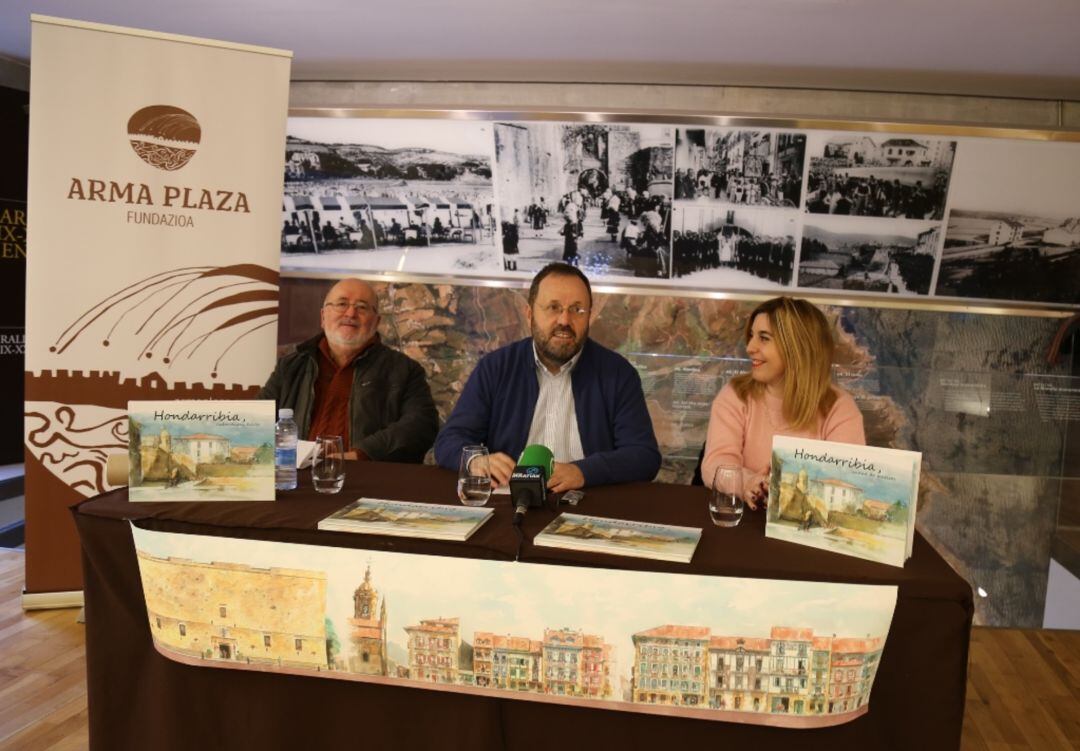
(201, 450)
(848, 499)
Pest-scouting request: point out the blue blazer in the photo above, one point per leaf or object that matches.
(497, 404)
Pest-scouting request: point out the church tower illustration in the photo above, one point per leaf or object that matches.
(368, 630)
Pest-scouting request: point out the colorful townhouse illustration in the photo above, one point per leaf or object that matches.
(576, 664)
(515, 664)
(434, 650)
(671, 666)
(563, 656)
(790, 672)
(566, 662)
(853, 664)
(789, 669)
(483, 649)
(738, 672)
(597, 667)
(820, 667)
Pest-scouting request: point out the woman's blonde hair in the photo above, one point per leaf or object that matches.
(805, 341)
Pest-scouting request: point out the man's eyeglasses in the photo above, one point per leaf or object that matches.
(340, 306)
(554, 310)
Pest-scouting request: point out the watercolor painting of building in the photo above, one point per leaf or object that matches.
(820, 498)
(526, 633)
(855, 500)
(563, 660)
(237, 613)
(434, 650)
(188, 451)
(671, 666)
(738, 673)
(367, 630)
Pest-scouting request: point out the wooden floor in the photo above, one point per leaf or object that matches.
(1023, 686)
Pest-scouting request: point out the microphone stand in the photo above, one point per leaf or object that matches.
(519, 516)
(521, 540)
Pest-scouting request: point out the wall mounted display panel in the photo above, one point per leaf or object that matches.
(694, 203)
(1013, 231)
(389, 195)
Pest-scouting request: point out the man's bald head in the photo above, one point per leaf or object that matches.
(349, 317)
(355, 289)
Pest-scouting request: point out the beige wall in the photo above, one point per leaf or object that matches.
(717, 100)
(805, 102)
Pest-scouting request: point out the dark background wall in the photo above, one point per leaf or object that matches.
(14, 133)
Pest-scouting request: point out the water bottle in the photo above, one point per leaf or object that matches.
(285, 435)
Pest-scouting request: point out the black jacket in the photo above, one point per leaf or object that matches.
(392, 416)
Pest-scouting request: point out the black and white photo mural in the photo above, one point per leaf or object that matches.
(868, 255)
(879, 176)
(367, 194)
(692, 207)
(744, 167)
(733, 247)
(597, 196)
(1014, 226)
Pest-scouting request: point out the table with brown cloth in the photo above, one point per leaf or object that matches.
(139, 699)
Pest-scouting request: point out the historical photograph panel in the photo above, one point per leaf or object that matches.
(893, 176)
(743, 167)
(370, 194)
(869, 255)
(597, 196)
(1014, 223)
(733, 247)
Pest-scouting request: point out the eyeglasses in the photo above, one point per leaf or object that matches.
(554, 310)
(340, 306)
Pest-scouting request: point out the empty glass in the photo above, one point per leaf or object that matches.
(328, 464)
(474, 477)
(725, 496)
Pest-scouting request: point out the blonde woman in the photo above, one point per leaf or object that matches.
(788, 391)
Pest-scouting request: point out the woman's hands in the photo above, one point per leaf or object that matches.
(757, 490)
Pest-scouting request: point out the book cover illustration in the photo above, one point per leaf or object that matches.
(620, 537)
(201, 450)
(405, 519)
(854, 500)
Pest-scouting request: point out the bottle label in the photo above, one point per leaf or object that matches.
(285, 457)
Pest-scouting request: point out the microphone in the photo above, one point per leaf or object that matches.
(528, 481)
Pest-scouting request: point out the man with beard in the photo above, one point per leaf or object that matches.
(560, 389)
(346, 382)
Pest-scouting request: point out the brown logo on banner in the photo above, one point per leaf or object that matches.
(164, 136)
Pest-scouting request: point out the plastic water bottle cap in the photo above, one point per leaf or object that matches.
(284, 413)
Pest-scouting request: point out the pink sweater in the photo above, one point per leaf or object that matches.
(741, 433)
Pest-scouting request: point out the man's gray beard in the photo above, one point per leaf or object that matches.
(347, 342)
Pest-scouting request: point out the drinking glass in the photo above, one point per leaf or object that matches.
(328, 464)
(474, 477)
(725, 496)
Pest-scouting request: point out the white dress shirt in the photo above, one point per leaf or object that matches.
(554, 422)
